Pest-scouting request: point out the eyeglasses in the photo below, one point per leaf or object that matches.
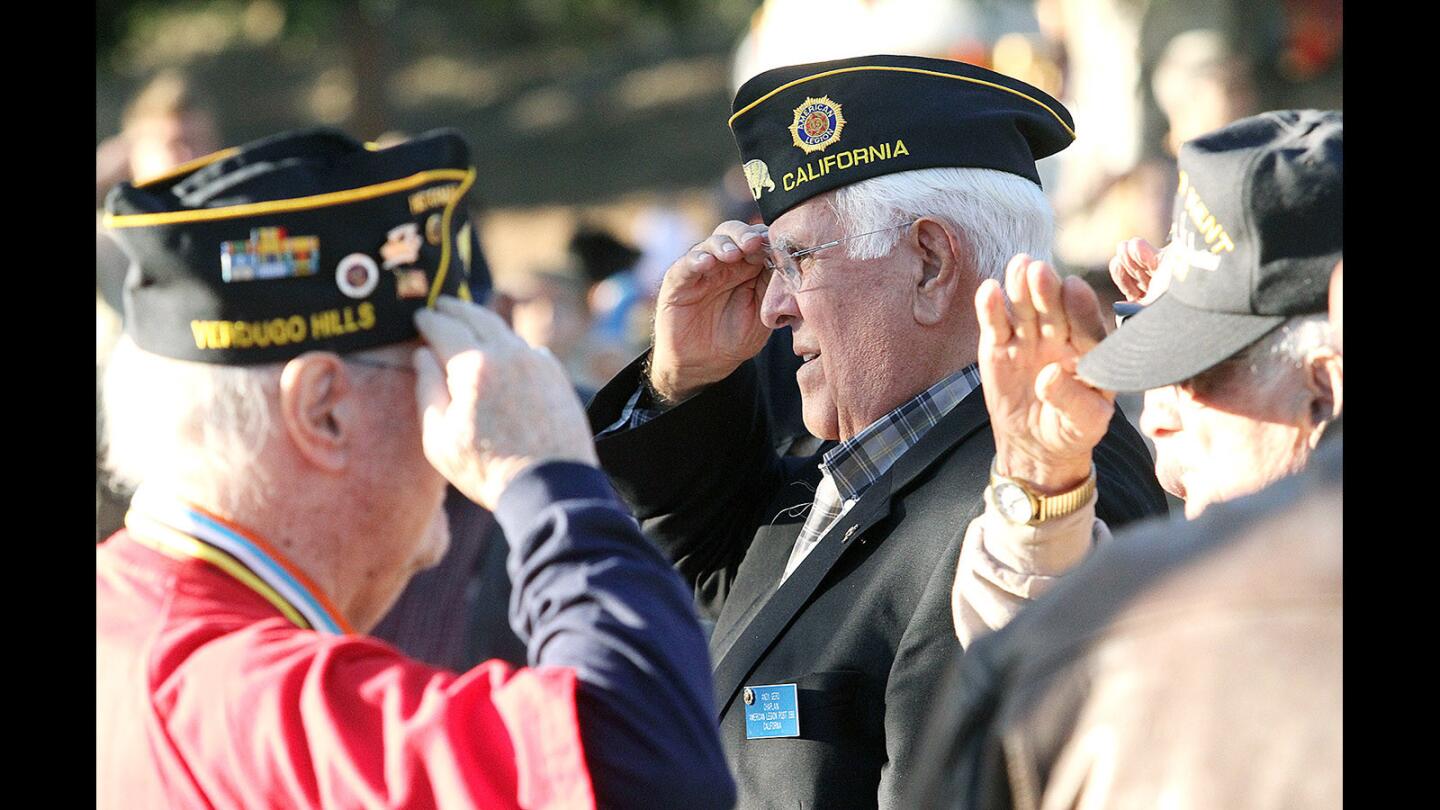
(785, 263)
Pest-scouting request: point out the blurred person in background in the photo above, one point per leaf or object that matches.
(951, 29)
(1221, 61)
(548, 308)
(1098, 42)
(619, 313)
(1173, 668)
(891, 186)
(267, 399)
(1202, 83)
(659, 231)
(166, 124)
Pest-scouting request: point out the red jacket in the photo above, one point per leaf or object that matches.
(206, 696)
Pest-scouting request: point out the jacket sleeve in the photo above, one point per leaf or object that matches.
(698, 475)
(591, 594)
(1004, 566)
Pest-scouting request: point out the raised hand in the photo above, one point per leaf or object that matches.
(491, 405)
(1133, 266)
(1046, 421)
(707, 315)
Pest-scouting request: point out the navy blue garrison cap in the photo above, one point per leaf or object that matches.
(301, 241)
(806, 129)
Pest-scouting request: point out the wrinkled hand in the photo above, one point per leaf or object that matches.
(1133, 266)
(707, 315)
(1046, 421)
(491, 405)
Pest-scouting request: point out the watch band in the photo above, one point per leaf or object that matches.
(1049, 507)
(1054, 506)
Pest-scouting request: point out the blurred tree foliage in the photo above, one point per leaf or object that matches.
(570, 100)
(515, 22)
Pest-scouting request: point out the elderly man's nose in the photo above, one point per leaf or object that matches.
(778, 307)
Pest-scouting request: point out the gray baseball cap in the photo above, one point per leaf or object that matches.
(1258, 226)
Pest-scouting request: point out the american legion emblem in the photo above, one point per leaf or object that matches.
(818, 123)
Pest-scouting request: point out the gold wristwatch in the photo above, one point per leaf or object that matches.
(1019, 504)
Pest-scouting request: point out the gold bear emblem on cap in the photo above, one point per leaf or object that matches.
(758, 175)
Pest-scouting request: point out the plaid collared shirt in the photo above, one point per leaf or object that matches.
(852, 466)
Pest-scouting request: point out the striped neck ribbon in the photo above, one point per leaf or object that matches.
(188, 532)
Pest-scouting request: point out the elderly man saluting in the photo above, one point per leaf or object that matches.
(892, 186)
(1185, 664)
(265, 400)
(1232, 349)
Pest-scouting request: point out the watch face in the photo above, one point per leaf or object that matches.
(1013, 502)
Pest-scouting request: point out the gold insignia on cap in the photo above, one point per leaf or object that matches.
(402, 246)
(818, 123)
(411, 284)
(1193, 219)
(357, 275)
(462, 246)
(757, 174)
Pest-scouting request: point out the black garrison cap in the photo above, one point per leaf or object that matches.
(806, 129)
(307, 240)
(1258, 227)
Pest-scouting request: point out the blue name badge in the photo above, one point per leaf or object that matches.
(771, 711)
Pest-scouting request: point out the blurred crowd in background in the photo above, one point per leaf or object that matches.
(599, 132)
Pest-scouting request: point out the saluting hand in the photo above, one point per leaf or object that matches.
(1046, 421)
(492, 405)
(1132, 267)
(707, 315)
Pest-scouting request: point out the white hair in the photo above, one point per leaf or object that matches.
(175, 421)
(1286, 347)
(998, 214)
(1281, 352)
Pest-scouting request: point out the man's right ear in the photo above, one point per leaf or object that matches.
(315, 409)
(1325, 382)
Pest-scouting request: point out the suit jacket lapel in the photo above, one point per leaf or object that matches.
(751, 643)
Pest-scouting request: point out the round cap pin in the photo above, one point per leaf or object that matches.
(749, 696)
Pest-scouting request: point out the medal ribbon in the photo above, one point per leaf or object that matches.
(188, 532)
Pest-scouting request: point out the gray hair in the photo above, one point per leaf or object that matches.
(997, 213)
(174, 421)
(1287, 346)
(1281, 351)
